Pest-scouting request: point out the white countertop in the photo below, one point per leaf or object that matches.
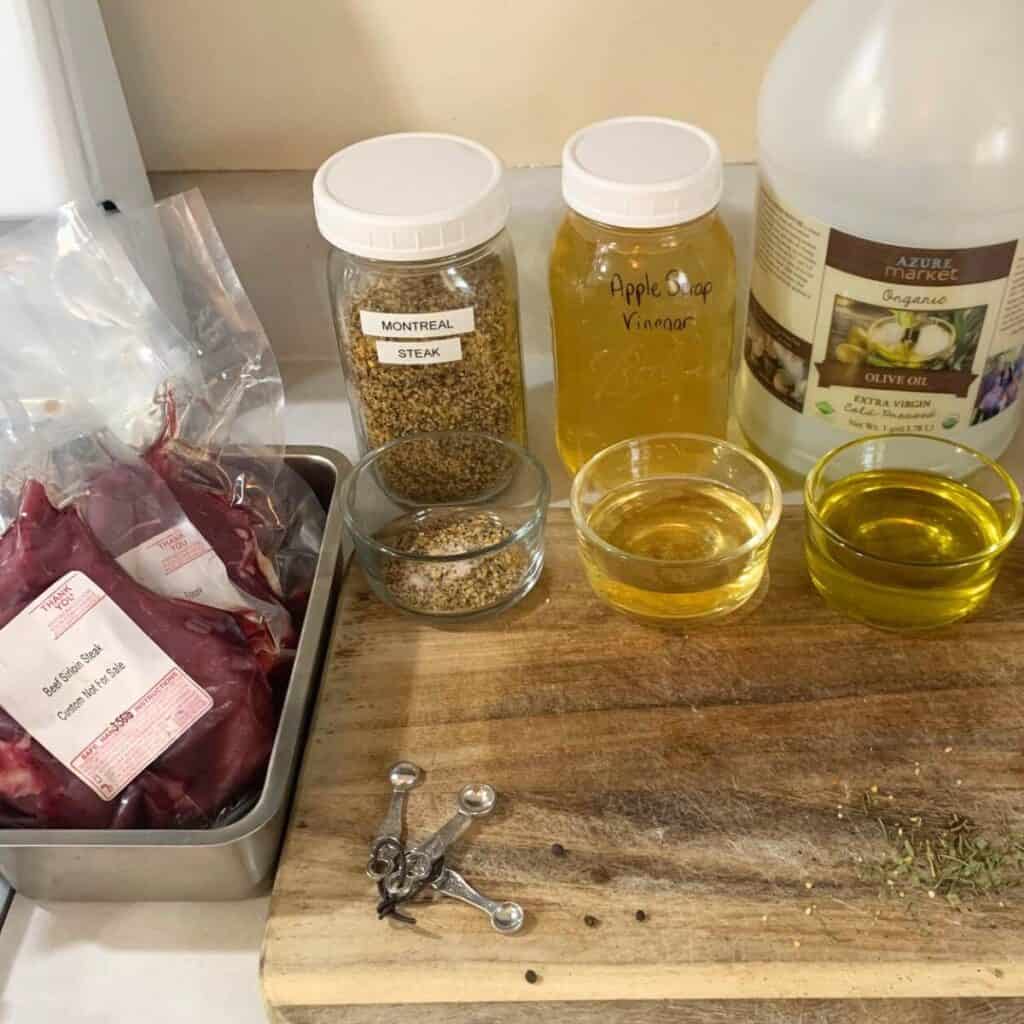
(111, 963)
(163, 963)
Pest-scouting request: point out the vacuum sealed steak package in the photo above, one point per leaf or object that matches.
(137, 516)
(189, 383)
(156, 551)
(223, 434)
(159, 726)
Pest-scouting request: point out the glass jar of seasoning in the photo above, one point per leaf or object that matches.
(422, 283)
(643, 287)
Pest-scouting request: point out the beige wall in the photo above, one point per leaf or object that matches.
(257, 84)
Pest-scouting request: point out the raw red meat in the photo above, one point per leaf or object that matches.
(222, 756)
(127, 505)
(233, 528)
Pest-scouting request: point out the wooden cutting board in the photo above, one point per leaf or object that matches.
(723, 782)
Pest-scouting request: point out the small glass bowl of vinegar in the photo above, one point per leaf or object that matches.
(675, 528)
(907, 532)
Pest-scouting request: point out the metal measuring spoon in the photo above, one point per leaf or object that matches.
(506, 917)
(387, 844)
(474, 801)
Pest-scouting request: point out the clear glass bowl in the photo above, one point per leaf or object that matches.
(907, 532)
(674, 528)
(448, 525)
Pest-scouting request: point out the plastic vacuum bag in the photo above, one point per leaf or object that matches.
(141, 445)
(191, 383)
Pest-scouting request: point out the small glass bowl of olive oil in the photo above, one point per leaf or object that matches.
(675, 528)
(907, 532)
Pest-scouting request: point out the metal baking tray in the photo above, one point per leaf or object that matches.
(224, 863)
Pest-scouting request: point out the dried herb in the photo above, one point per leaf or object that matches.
(464, 468)
(464, 585)
(955, 861)
(482, 391)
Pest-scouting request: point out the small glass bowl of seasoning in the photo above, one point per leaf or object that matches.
(675, 528)
(449, 525)
(907, 532)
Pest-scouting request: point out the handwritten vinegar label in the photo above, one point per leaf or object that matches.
(649, 303)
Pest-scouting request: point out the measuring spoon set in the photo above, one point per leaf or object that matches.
(402, 872)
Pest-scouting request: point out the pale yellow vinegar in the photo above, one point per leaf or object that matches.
(677, 549)
(904, 549)
(642, 324)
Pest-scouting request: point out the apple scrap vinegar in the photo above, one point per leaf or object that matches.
(643, 286)
(675, 528)
(665, 523)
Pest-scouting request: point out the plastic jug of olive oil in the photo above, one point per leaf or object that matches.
(887, 291)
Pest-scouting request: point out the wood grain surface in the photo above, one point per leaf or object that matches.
(671, 1011)
(714, 780)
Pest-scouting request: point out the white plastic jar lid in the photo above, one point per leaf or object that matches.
(642, 172)
(411, 196)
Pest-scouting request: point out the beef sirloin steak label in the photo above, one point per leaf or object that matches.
(91, 687)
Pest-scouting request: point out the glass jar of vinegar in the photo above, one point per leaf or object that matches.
(643, 287)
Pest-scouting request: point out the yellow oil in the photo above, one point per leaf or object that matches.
(642, 325)
(675, 544)
(916, 549)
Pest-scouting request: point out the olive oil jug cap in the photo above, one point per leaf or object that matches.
(642, 172)
(410, 196)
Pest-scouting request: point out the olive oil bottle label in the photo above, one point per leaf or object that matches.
(877, 338)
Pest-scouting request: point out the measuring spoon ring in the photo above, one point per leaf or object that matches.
(474, 801)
